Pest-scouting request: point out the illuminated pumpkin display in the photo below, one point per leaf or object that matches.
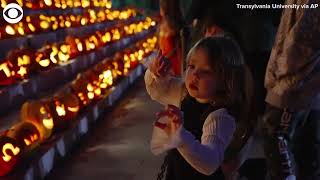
(73, 45)
(65, 106)
(94, 42)
(107, 37)
(94, 91)
(93, 87)
(63, 52)
(118, 66)
(46, 57)
(10, 154)
(115, 34)
(106, 79)
(38, 113)
(79, 88)
(21, 62)
(6, 77)
(41, 22)
(25, 134)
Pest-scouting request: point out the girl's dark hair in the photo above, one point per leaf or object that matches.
(173, 14)
(226, 59)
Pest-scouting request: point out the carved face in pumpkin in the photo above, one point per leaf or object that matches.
(21, 61)
(25, 133)
(9, 154)
(45, 57)
(79, 88)
(38, 113)
(65, 106)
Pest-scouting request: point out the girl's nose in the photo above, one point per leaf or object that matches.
(195, 74)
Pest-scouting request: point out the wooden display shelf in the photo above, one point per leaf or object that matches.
(12, 97)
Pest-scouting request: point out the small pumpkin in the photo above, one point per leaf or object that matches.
(38, 113)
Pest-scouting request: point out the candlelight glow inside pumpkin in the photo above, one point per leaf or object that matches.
(6, 77)
(64, 53)
(9, 154)
(38, 113)
(25, 133)
(10, 30)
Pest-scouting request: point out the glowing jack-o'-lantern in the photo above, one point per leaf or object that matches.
(73, 44)
(6, 78)
(38, 113)
(93, 87)
(26, 134)
(46, 57)
(107, 37)
(63, 53)
(118, 66)
(106, 79)
(21, 61)
(79, 88)
(10, 154)
(44, 22)
(94, 91)
(115, 34)
(64, 106)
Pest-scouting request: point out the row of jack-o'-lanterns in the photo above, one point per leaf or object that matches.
(42, 23)
(58, 4)
(20, 63)
(42, 118)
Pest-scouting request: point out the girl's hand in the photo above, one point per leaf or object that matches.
(175, 117)
(160, 66)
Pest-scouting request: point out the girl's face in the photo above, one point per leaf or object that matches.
(201, 81)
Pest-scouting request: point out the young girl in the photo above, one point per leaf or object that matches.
(169, 33)
(204, 110)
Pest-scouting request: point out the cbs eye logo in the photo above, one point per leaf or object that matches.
(12, 13)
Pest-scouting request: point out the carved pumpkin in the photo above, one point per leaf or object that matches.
(21, 62)
(118, 66)
(106, 73)
(73, 43)
(79, 88)
(6, 77)
(64, 107)
(26, 134)
(38, 113)
(46, 57)
(10, 154)
(63, 52)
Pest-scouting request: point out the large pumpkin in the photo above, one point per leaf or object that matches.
(64, 107)
(26, 134)
(38, 113)
(10, 154)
